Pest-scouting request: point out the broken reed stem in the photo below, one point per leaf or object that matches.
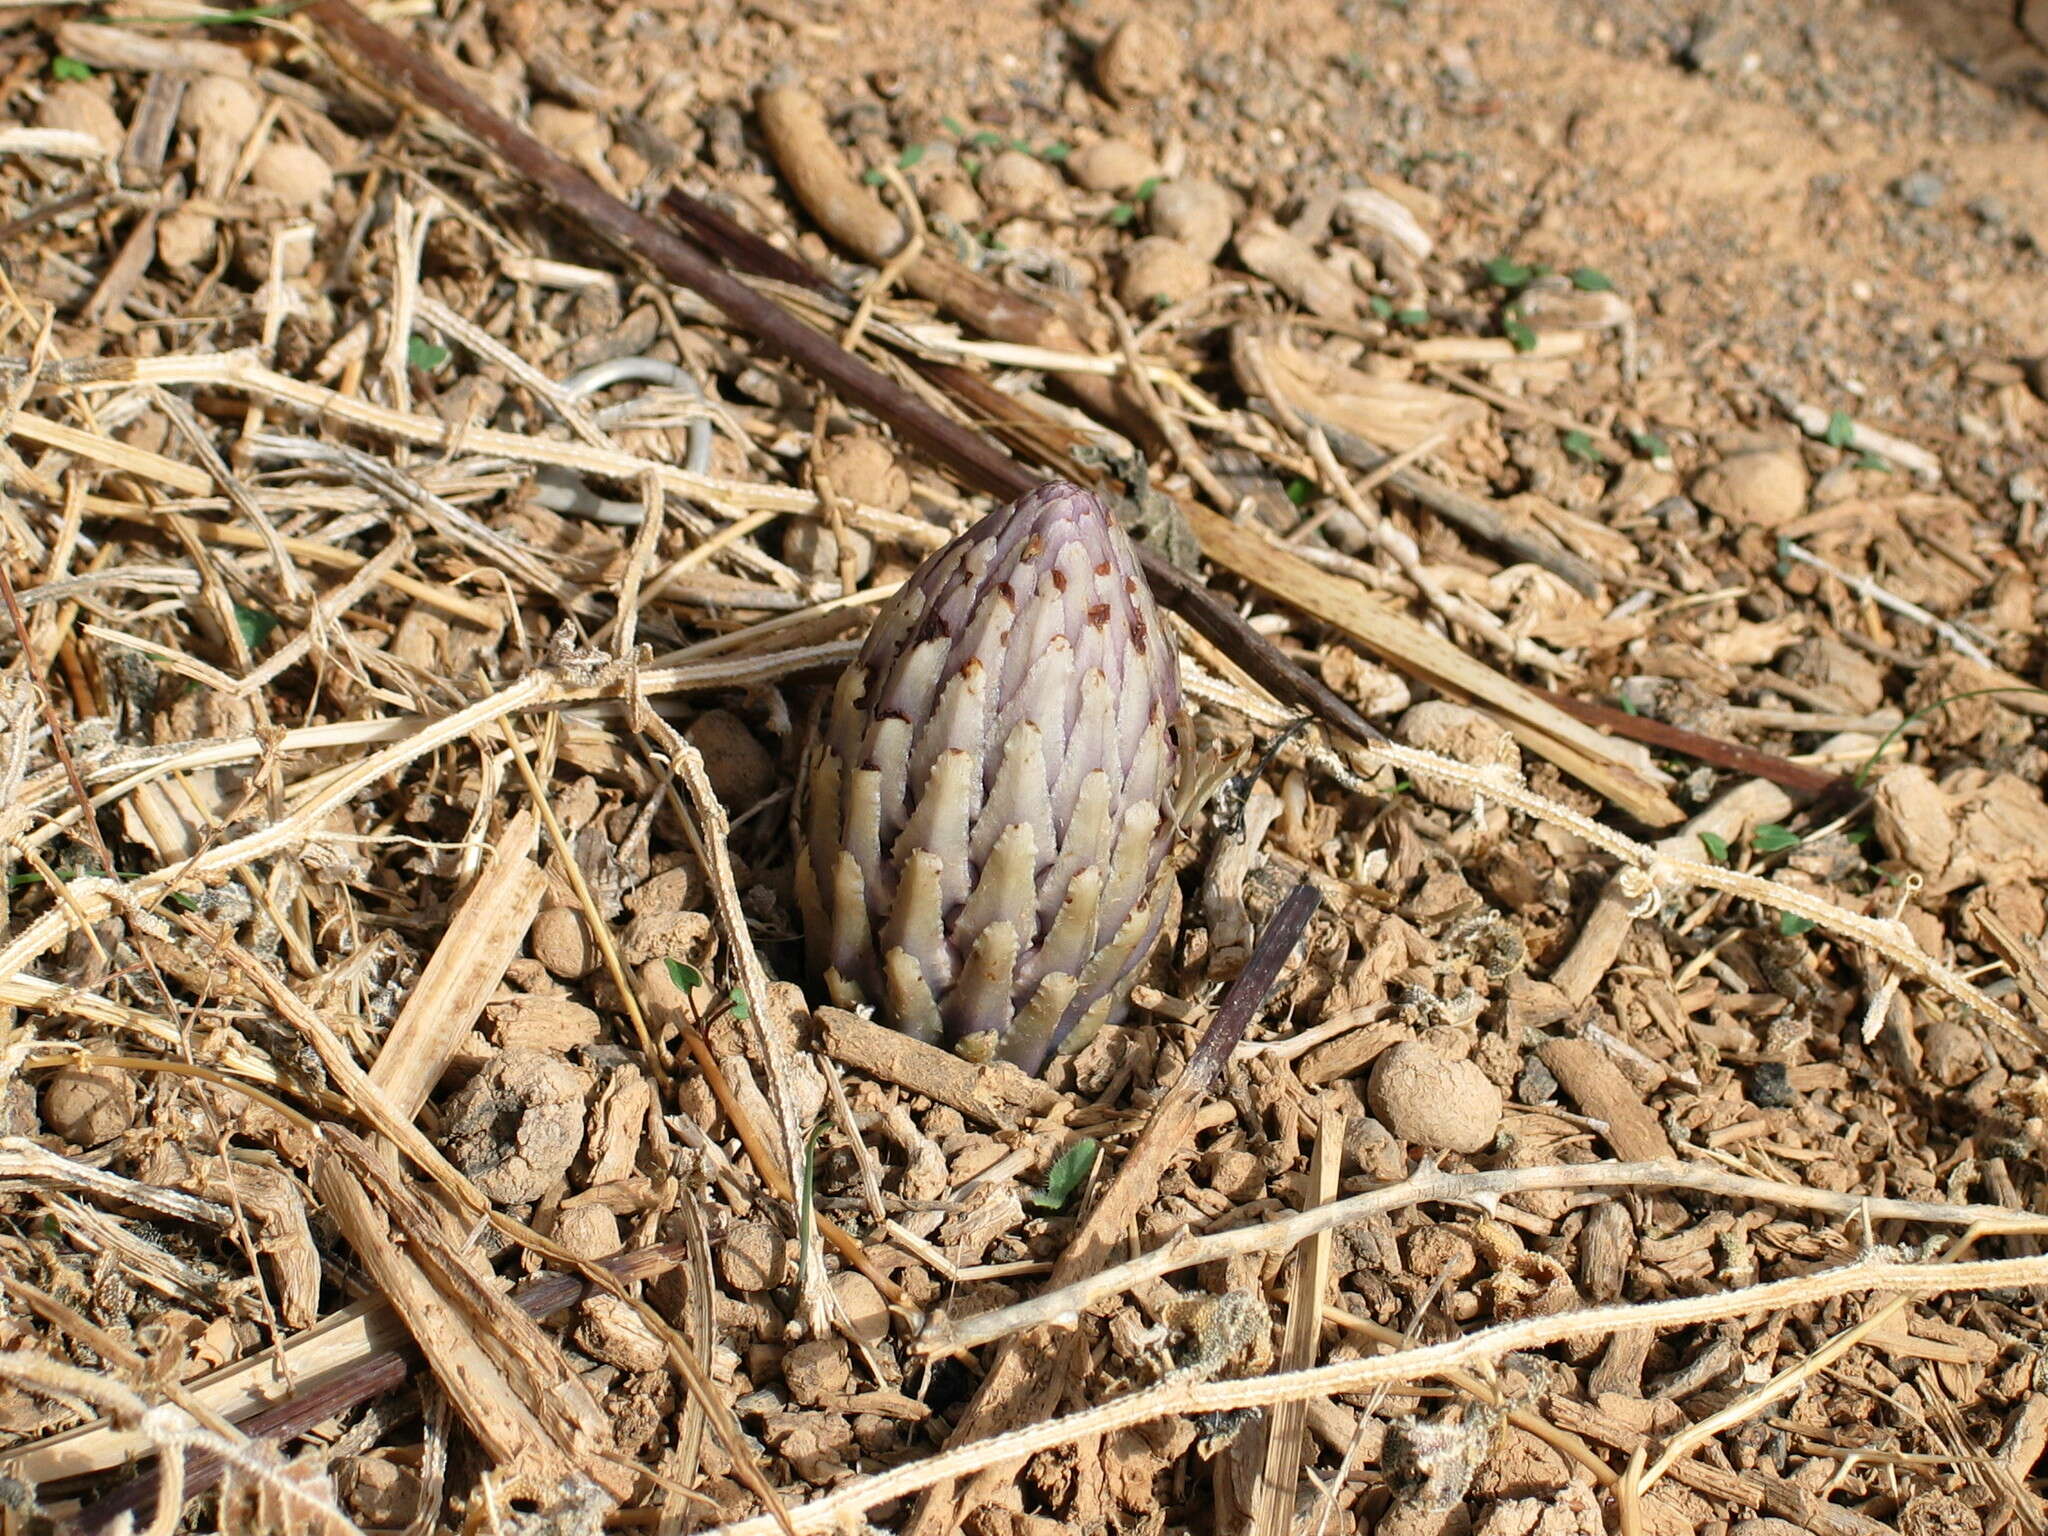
(1174, 1398)
(1429, 1183)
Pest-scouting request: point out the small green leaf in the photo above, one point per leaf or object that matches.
(1841, 430)
(1508, 273)
(1056, 151)
(1628, 705)
(954, 126)
(64, 67)
(971, 164)
(425, 355)
(872, 177)
(1873, 461)
(1415, 316)
(1299, 491)
(1022, 146)
(1591, 280)
(1773, 837)
(686, 977)
(1716, 846)
(1856, 837)
(986, 140)
(1791, 925)
(912, 153)
(1382, 307)
(1516, 329)
(741, 1008)
(1145, 189)
(1649, 445)
(1065, 1176)
(255, 625)
(1580, 445)
(1122, 214)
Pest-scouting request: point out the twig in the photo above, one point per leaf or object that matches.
(1864, 587)
(1817, 423)
(1065, 1306)
(1490, 1344)
(343, 1390)
(1029, 1375)
(1712, 750)
(1274, 1494)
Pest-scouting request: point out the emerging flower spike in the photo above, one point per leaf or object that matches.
(990, 801)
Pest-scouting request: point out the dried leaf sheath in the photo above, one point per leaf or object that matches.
(989, 804)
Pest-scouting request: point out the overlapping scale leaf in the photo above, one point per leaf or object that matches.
(988, 809)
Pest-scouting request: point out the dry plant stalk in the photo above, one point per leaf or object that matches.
(1412, 1365)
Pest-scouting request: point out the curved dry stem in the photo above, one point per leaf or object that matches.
(1485, 1190)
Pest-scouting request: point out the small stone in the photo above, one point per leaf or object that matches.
(1950, 1053)
(1143, 57)
(1429, 1102)
(1770, 1086)
(516, 1126)
(1534, 1084)
(1111, 165)
(1913, 819)
(863, 470)
(1463, 734)
(560, 940)
(1234, 1173)
(811, 548)
(1766, 487)
(1158, 272)
(295, 174)
(382, 1494)
(741, 771)
(1836, 669)
(1197, 213)
(612, 1331)
(1370, 1149)
(184, 237)
(2025, 489)
(588, 1231)
(752, 1256)
(816, 1370)
(220, 104)
(73, 106)
(1014, 183)
(865, 1311)
(1989, 211)
(957, 200)
(89, 1106)
(1921, 189)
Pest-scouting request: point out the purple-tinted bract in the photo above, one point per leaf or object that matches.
(990, 804)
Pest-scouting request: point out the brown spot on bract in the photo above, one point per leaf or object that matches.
(1098, 616)
(1140, 639)
(1059, 579)
(1008, 593)
(1104, 569)
(1033, 547)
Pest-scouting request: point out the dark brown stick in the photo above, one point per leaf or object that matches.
(977, 460)
(1711, 750)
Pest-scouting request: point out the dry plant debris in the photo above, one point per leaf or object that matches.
(1612, 1101)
